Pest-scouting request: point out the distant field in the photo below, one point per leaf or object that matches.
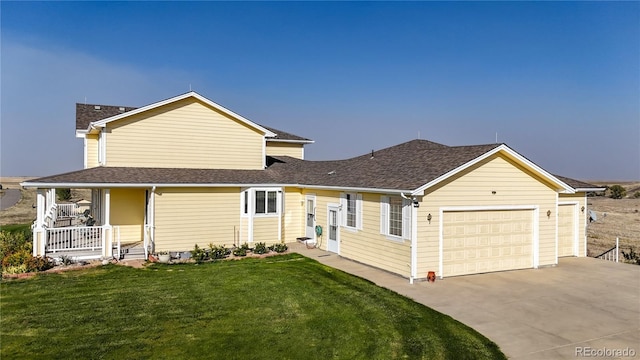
(23, 212)
(616, 218)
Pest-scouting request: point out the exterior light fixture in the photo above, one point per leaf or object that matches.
(582, 209)
(429, 218)
(548, 213)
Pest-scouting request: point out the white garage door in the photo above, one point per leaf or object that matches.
(485, 241)
(566, 230)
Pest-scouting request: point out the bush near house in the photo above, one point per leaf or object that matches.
(16, 249)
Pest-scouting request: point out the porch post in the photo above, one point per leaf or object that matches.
(107, 233)
(38, 229)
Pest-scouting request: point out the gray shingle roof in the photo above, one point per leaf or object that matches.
(577, 184)
(87, 113)
(403, 167)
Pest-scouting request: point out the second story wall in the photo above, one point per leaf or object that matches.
(91, 151)
(183, 134)
(289, 149)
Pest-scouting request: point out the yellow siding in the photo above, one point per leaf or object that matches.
(265, 229)
(513, 186)
(583, 216)
(185, 217)
(368, 245)
(91, 150)
(293, 217)
(184, 134)
(127, 212)
(288, 149)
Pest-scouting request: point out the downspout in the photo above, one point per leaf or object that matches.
(414, 237)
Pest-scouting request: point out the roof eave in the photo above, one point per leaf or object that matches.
(589, 189)
(291, 141)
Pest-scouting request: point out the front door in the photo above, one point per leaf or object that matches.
(311, 218)
(333, 230)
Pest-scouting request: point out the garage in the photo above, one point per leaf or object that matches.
(486, 241)
(566, 230)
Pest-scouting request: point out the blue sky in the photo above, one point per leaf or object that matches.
(558, 81)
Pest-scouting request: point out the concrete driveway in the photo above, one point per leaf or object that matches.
(9, 198)
(583, 304)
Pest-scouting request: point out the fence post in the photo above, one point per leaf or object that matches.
(617, 248)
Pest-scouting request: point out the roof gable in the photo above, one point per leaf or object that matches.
(88, 115)
(191, 94)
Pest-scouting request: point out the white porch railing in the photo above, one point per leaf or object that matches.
(69, 210)
(74, 238)
(612, 254)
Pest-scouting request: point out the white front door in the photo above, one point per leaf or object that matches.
(333, 230)
(311, 217)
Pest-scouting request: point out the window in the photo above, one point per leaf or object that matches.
(245, 202)
(266, 202)
(395, 217)
(351, 209)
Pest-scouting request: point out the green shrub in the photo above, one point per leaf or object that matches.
(15, 241)
(636, 194)
(38, 263)
(240, 251)
(198, 254)
(631, 256)
(17, 258)
(63, 194)
(218, 251)
(279, 248)
(260, 248)
(20, 269)
(617, 192)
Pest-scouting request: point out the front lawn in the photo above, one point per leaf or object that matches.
(282, 307)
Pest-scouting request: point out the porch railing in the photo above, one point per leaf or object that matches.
(68, 210)
(74, 238)
(612, 254)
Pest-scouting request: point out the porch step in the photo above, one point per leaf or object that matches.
(132, 251)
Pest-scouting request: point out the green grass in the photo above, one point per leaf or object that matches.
(283, 307)
(15, 227)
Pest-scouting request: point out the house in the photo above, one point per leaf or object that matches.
(186, 171)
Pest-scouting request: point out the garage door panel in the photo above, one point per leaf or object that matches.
(487, 241)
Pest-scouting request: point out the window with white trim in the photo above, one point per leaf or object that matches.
(351, 208)
(395, 217)
(266, 202)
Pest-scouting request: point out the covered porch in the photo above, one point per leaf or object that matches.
(117, 223)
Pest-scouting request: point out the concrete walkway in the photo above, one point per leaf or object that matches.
(549, 313)
(10, 198)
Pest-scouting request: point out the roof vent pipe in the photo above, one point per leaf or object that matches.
(372, 153)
